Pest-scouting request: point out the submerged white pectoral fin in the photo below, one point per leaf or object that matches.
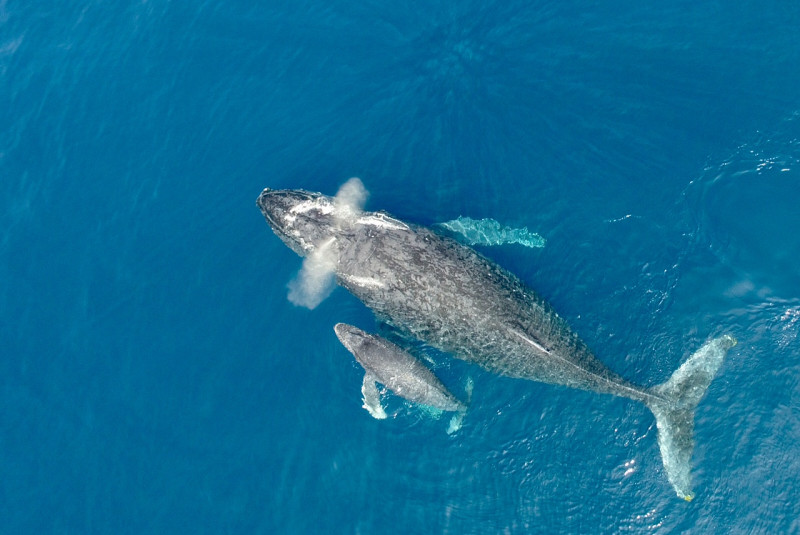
(673, 406)
(372, 398)
(491, 232)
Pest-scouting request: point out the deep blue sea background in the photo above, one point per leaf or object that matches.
(155, 379)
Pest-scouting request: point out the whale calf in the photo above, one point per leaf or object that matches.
(432, 288)
(396, 369)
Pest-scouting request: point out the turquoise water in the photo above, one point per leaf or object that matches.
(154, 378)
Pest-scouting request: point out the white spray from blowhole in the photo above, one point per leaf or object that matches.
(349, 200)
(316, 279)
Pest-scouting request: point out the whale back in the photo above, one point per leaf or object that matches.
(437, 290)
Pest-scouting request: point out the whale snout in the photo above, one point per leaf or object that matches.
(278, 201)
(264, 194)
(348, 334)
(275, 204)
(269, 208)
(341, 329)
(301, 219)
(271, 201)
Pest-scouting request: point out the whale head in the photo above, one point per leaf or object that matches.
(302, 219)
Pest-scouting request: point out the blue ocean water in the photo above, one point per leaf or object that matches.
(154, 378)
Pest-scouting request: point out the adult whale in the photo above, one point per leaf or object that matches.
(437, 290)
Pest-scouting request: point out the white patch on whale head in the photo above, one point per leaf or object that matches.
(381, 220)
(364, 282)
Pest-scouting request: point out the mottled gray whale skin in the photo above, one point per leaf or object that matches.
(437, 290)
(395, 368)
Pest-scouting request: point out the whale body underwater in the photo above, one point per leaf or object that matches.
(430, 287)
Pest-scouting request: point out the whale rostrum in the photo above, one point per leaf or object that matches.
(432, 288)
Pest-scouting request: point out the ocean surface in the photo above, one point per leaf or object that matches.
(154, 378)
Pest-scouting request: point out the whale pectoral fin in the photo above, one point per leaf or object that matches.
(372, 398)
(490, 232)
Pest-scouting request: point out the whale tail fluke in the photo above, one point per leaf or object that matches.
(673, 405)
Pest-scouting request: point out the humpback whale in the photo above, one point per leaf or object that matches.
(432, 288)
(396, 369)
